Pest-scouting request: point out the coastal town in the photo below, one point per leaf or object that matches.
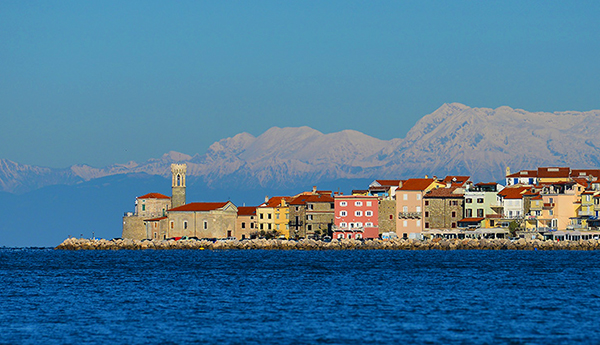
(548, 203)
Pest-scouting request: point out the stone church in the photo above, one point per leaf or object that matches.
(158, 216)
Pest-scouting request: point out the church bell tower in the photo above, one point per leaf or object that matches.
(178, 186)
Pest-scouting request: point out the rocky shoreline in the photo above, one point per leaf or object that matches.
(345, 244)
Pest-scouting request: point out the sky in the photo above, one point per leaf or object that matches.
(104, 82)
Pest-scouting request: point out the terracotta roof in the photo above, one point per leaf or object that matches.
(524, 173)
(389, 183)
(153, 196)
(355, 197)
(199, 206)
(513, 193)
(460, 180)
(303, 199)
(585, 172)
(444, 193)
(470, 220)
(486, 184)
(246, 211)
(155, 219)
(275, 201)
(537, 197)
(416, 184)
(554, 172)
(582, 181)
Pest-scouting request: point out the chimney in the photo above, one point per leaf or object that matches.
(507, 171)
(448, 184)
(400, 184)
(435, 177)
(266, 199)
(314, 190)
(426, 176)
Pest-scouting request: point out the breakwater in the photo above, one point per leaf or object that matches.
(344, 244)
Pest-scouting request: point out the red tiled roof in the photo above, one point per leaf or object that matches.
(470, 220)
(524, 173)
(444, 193)
(486, 184)
(537, 197)
(303, 199)
(246, 210)
(582, 173)
(416, 184)
(155, 219)
(389, 183)
(553, 172)
(199, 206)
(459, 179)
(153, 196)
(513, 192)
(276, 201)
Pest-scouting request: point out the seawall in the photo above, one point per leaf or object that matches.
(345, 244)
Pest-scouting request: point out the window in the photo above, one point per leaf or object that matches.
(277, 226)
(340, 236)
(358, 224)
(426, 202)
(418, 222)
(405, 209)
(205, 223)
(453, 214)
(343, 224)
(243, 225)
(391, 216)
(309, 227)
(468, 213)
(468, 200)
(261, 216)
(369, 224)
(426, 225)
(251, 225)
(479, 212)
(310, 206)
(358, 203)
(261, 226)
(185, 224)
(343, 203)
(368, 213)
(454, 225)
(143, 207)
(343, 213)
(172, 224)
(269, 226)
(349, 235)
(418, 208)
(358, 213)
(309, 217)
(358, 236)
(480, 200)
(269, 216)
(418, 196)
(277, 216)
(426, 214)
(369, 203)
(551, 212)
(405, 223)
(405, 196)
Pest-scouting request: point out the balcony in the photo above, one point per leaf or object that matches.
(548, 205)
(410, 215)
(585, 213)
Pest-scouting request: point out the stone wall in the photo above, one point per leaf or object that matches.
(387, 215)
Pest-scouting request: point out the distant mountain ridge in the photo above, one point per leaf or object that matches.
(454, 139)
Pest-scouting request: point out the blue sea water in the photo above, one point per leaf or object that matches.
(299, 297)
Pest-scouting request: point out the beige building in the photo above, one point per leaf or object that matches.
(246, 222)
(311, 216)
(274, 214)
(151, 205)
(410, 204)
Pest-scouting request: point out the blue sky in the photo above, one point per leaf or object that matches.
(102, 82)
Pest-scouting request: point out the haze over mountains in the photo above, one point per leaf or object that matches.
(454, 139)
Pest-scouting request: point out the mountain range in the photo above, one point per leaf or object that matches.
(454, 139)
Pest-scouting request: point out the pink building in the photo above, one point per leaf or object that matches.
(356, 216)
(410, 204)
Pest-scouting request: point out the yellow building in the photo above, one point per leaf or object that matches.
(274, 214)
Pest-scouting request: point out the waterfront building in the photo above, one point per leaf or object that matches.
(410, 204)
(274, 214)
(443, 207)
(356, 216)
(246, 223)
(311, 215)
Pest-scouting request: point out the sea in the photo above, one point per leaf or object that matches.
(299, 297)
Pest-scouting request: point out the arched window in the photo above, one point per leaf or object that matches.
(178, 180)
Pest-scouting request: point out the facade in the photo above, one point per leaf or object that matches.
(246, 222)
(311, 216)
(202, 220)
(443, 208)
(274, 214)
(410, 204)
(356, 216)
(152, 205)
